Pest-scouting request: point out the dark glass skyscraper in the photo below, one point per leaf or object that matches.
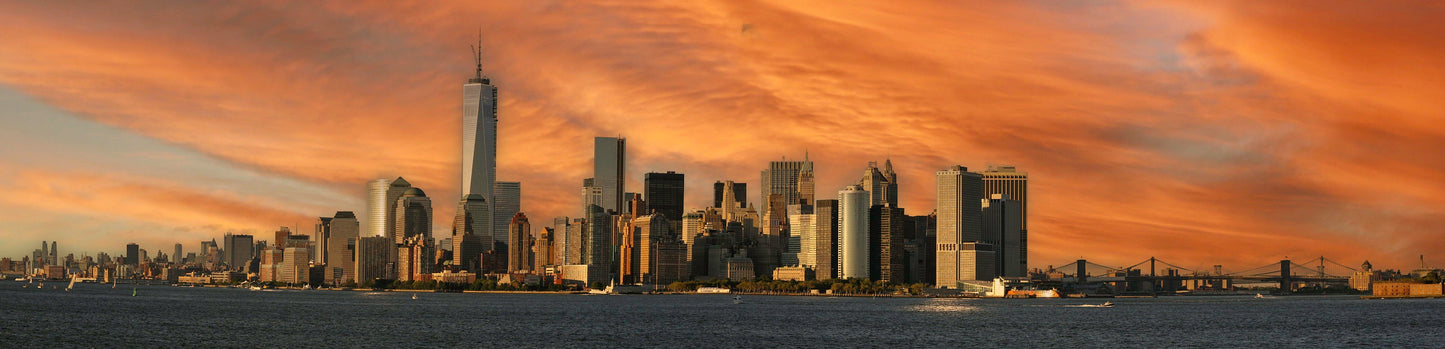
(609, 168)
(664, 194)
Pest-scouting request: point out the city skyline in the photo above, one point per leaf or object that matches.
(159, 131)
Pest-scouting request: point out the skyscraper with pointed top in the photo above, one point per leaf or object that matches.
(479, 136)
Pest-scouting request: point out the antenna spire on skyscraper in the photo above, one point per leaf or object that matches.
(477, 53)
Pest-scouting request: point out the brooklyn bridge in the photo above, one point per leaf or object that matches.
(1156, 276)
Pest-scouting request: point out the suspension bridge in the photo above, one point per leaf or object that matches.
(1155, 276)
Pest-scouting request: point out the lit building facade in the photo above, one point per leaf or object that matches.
(853, 233)
(960, 220)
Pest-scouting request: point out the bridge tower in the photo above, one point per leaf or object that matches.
(1079, 273)
(1285, 284)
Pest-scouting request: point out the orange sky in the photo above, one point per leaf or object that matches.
(1201, 132)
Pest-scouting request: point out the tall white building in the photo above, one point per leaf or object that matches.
(506, 202)
(960, 225)
(479, 149)
(853, 204)
(479, 135)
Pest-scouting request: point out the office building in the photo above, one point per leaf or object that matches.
(178, 256)
(413, 216)
(881, 185)
(239, 250)
(1008, 180)
(960, 221)
(792, 180)
(885, 243)
(338, 252)
(132, 254)
(376, 207)
(473, 222)
(564, 245)
(597, 235)
(519, 244)
(609, 169)
(506, 202)
(737, 193)
(664, 193)
(372, 253)
(853, 233)
(825, 242)
(479, 138)
(543, 255)
(1003, 228)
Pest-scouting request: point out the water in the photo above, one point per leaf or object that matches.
(95, 315)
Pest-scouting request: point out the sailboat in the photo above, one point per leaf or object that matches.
(132, 291)
(72, 285)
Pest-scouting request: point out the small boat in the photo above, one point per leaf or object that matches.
(413, 296)
(72, 285)
(1258, 296)
(133, 291)
(737, 299)
(1107, 305)
(255, 288)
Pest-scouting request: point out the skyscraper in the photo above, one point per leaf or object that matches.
(178, 258)
(881, 185)
(479, 134)
(339, 251)
(825, 252)
(376, 207)
(609, 170)
(960, 221)
(372, 253)
(519, 257)
(885, 243)
(506, 202)
(738, 191)
(853, 233)
(664, 193)
(1003, 227)
(591, 194)
(239, 250)
(1006, 179)
(132, 254)
(791, 179)
(394, 191)
(322, 237)
(413, 216)
(597, 234)
(467, 245)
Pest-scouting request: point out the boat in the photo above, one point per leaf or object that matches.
(737, 299)
(413, 295)
(255, 288)
(72, 285)
(1258, 296)
(133, 291)
(1107, 305)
